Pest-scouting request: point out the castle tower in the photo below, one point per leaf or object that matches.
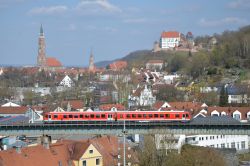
(91, 63)
(41, 58)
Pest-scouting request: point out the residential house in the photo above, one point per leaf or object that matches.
(68, 153)
(237, 94)
(141, 97)
(67, 82)
(110, 75)
(85, 154)
(170, 39)
(11, 109)
(111, 107)
(155, 65)
(104, 93)
(118, 65)
(73, 105)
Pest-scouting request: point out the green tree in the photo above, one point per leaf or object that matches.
(223, 97)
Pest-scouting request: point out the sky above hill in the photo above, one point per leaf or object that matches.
(111, 28)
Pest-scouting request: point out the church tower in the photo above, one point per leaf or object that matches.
(91, 63)
(41, 58)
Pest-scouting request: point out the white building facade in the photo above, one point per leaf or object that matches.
(67, 82)
(239, 142)
(170, 39)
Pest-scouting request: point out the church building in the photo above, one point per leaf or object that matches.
(43, 62)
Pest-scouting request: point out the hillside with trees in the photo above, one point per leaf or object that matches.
(229, 56)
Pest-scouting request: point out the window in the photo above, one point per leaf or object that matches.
(150, 115)
(144, 115)
(49, 116)
(139, 115)
(97, 161)
(238, 145)
(75, 116)
(128, 115)
(187, 115)
(81, 116)
(65, 116)
(97, 116)
(103, 115)
(86, 116)
(177, 115)
(233, 145)
(70, 116)
(156, 115)
(55, 116)
(133, 116)
(243, 145)
(90, 151)
(92, 116)
(161, 116)
(84, 163)
(46, 116)
(167, 115)
(222, 145)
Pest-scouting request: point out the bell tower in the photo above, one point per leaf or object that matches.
(91, 63)
(41, 58)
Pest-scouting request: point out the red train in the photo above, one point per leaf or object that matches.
(141, 116)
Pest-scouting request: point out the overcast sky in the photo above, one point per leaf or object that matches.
(111, 28)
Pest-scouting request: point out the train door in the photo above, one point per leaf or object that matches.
(49, 118)
(183, 116)
(110, 117)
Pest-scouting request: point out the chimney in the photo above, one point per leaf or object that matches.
(45, 141)
(18, 149)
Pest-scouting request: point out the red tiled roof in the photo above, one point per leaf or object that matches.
(108, 146)
(230, 110)
(36, 155)
(170, 34)
(13, 110)
(76, 104)
(53, 62)
(118, 65)
(155, 61)
(107, 107)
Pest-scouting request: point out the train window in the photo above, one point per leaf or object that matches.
(150, 115)
(156, 115)
(167, 115)
(177, 115)
(97, 116)
(81, 116)
(87, 116)
(70, 116)
(75, 116)
(161, 115)
(121, 115)
(92, 115)
(103, 115)
(144, 115)
(133, 116)
(187, 116)
(49, 116)
(65, 116)
(128, 115)
(55, 116)
(139, 115)
(183, 115)
(46, 116)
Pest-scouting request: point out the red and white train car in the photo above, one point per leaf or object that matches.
(117, 116)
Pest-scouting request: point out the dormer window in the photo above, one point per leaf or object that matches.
(91, 151)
